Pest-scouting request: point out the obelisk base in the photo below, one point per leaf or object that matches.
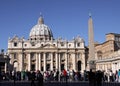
(91, 65)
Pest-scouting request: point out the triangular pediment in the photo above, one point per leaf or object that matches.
(15, 38)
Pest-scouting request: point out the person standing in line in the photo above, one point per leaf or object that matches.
(91, 77)
(119, 75)
(111, 76)
(57, 75)
(32, 78)
(99, 77)
(65, 75)
(116, 76)
(39, 78)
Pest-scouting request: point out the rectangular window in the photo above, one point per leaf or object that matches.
(62, 44)
(15, 44)
(32, 43)
(78, 44)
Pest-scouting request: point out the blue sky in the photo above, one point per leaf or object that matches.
(66, 18)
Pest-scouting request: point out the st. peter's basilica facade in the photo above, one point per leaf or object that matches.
(42, 52)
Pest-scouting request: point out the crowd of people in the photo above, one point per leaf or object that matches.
(64, 75)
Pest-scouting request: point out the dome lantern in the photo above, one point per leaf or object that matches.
(41, 20)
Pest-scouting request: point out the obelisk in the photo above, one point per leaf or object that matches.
(91, 58)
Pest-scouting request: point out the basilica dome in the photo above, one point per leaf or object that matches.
(41, 31)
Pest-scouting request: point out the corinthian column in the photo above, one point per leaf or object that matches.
(39, 61)
(51, 61)
(29, 62)
(44, 56)
(74, 61)
(56, 55)
(21, 61)
(83, 62)
(59, 62)
(66, 61)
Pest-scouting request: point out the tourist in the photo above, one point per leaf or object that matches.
(119, 75)
(39, 78)
(99, 77)
(91, 77)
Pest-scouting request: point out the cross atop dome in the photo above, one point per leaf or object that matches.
(90, 14)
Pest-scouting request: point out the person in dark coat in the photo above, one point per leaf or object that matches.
(91, 77)
(32, 77)
(57, 75)
(39, 78)
(99, 76)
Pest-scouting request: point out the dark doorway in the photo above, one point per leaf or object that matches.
(62, 66)
(48, 67)
(42, 68)
(33, 67)
(79, 65)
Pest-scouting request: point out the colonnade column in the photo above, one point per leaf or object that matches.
(21, 62)
(83, 62)
(66, 61)
(51, 62)
(56, 56)
(59, 62)
(29, 62)
(44, 56)
(39, 61)
(74, 61)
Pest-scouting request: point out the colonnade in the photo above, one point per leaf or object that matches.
(54, 59)
(115, 65)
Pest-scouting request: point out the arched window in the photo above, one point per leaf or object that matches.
(99, 55)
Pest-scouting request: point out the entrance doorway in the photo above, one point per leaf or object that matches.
(62, 66)
(33, 67)
(48, 67)
(79, 65)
